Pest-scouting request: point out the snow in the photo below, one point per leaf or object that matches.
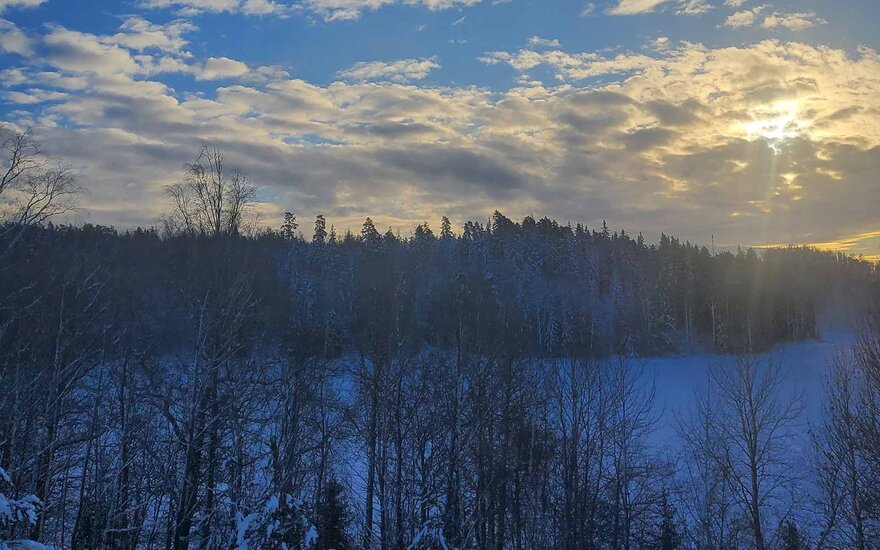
(24, 545)
(311, 536)
(677, 379)
(429, 534)
(22, 510)
(243, 524)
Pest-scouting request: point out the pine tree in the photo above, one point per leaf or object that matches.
(446, 229)
(791, 538)
(332, 519)
(320, 230)
(667, 536)
(423, 232)
(288, 228)
(369, 235)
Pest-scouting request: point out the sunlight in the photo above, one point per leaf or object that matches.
(776, 124)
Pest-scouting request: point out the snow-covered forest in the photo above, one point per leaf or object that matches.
(215, 385)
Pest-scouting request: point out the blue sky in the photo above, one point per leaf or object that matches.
(748, 120)
(311, 48)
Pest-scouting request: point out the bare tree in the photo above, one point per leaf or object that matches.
(32, 188)
(842, 470)
(706, 494)
(755, 427)
(208, 201)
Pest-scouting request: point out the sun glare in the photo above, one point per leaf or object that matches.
(776, 124)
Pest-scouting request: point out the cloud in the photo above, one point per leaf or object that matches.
(139, 49)
(136, 33)
(752, 143)
(193, 7)
(189, 8)
(6, 4)
(693, 7)
(335, 10)
(32, 96)
(572, 66)
(633, 7)
(792, 21)
(13, 39)
(588, 9)
(745, 18)
(217, 68)
(79, 52)
(734, 3)
(266, 7)
(401, 70)
(544, 42)
(328, 10)
(636, 7)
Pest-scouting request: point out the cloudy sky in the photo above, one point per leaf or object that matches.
(758, 122)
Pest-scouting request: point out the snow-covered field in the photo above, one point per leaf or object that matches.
(678, 378)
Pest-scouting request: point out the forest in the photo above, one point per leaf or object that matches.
(213, 383)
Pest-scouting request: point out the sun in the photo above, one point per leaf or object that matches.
(776, 124)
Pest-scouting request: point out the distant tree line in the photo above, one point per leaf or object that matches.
(212, 385)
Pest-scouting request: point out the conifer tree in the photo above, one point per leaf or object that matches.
(320, 230)
(332, 519)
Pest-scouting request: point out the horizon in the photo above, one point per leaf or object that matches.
(407, 232)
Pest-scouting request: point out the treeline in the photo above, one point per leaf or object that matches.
(196, 387)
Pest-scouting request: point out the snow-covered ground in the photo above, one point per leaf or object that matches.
(678, 378)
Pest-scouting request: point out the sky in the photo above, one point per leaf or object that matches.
(754, 122)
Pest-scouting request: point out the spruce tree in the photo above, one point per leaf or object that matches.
(332, 519)
(446, 228)
(288, 228)
(320, 230)
(667, 536)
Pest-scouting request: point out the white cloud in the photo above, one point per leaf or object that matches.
(693, 7)
(744, 18)
(193, 7)
(401, 70)
(572, 66)
(136, 33)
(140, 49)
(266, 7)
(544, 42)
(588, 9)
(5, 4)
(734, 3)
(792, 21)
(217, 68)
(635, 7)
(32, 96)
(329, 10)
(85, 53)
(334, 10)
(13, 39)
(247, 7)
